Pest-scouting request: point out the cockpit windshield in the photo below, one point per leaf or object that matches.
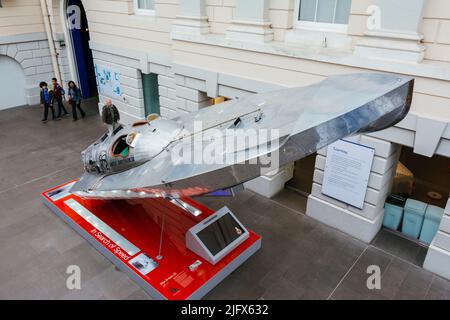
(121, 147)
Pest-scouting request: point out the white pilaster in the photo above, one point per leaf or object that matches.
(394, 33)
(192, 19)
(188, 97)
(251, 22)
(364, 223)
(272, 183)
(438, 256)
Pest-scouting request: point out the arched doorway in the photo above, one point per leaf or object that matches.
(12, 83)
(82, 53)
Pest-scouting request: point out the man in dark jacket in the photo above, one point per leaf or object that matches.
(110, 116)
(46, 101)
(58, 93)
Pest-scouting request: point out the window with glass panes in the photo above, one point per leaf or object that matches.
(324, 11)
(145, 5)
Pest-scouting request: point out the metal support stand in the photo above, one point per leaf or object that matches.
(183, 205)
(159, 256)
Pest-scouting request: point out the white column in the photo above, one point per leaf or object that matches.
(364, 223)
(251, 22)
(394, 31)
(192, 19)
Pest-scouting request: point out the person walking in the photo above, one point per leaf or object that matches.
(110, 116)
(46, 101)
(58, 94)
(75, 100)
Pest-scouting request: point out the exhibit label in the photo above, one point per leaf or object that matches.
(347, 171)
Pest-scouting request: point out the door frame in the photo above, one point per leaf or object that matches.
(73, 69)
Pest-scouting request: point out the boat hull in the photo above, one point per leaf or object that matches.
(386, 104)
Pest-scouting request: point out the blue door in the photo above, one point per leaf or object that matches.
(83, 54)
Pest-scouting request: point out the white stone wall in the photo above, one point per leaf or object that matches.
(362, 224)
(438, 257)
(34, 57)
(220, 14)
(190, 94)
(21, 17)
(63, 62)
(131, 104)
(186, 89)
(179, 93)
(167, 96)
(442, 239)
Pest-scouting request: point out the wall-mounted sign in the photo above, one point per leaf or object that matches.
(347, 171)
(108, 81)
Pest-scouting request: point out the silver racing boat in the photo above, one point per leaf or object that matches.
(224, 145)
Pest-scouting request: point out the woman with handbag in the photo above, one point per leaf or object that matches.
(75, 100)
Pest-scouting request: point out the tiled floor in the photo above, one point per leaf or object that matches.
(300, 258)
(400, 247)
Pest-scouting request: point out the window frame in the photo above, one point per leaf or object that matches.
(317, 26)
(143, 12)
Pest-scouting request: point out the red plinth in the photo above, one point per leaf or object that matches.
(180, 274)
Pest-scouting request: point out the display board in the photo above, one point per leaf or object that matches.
(108, 81)
(216, 236)
(220, 234)
(347, 172)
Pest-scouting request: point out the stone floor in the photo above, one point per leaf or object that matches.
(300, 258)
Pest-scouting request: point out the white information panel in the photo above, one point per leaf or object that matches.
(347, 171)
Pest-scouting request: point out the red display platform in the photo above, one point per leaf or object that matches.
(128, 233)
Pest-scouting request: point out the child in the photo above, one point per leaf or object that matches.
(75, 100)
(46, 100)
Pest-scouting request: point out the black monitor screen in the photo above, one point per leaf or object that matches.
(219, 234)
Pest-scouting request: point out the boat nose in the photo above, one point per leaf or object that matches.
(89, 159)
